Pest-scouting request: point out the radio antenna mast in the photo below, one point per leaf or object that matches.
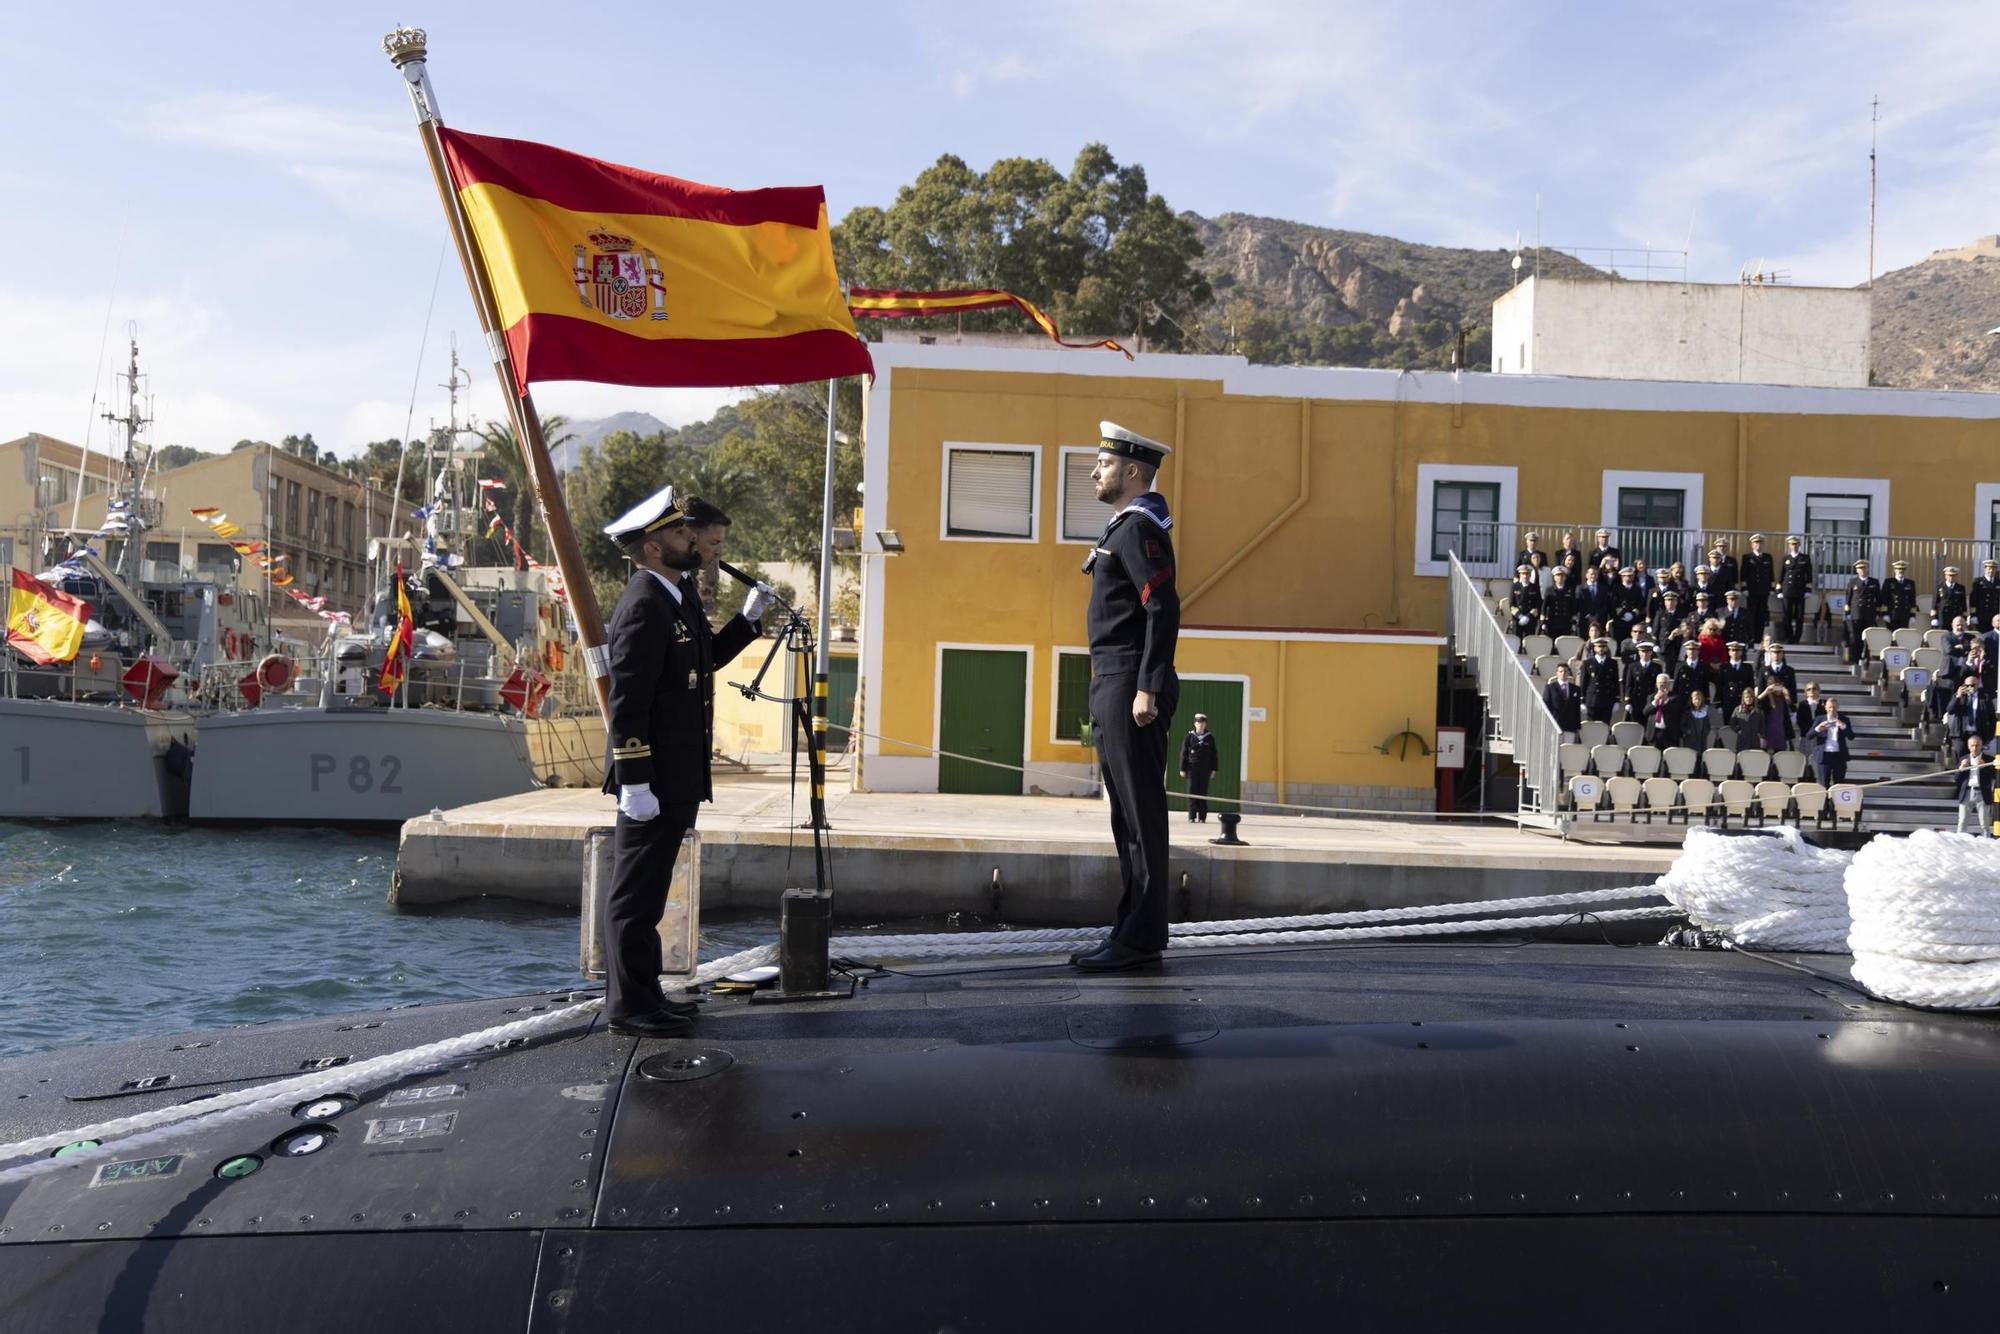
(1874, 119)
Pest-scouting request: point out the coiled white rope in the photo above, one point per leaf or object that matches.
(1927, 919)
(167, 1123)
(1776, 891)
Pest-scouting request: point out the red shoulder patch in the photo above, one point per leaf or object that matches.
(1154, 551)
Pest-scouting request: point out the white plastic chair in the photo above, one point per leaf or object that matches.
(1608, 760)
(1569, 646)
(1772, 799)
(1908, 637)
(1644, 761)
(1536, 646)
(1936, 639)
(1624, 794)
(1845, 799)
(1930, 659)
(1718, 763)
(1594, 733)
(1736, 796)
(1573, 757)
(1696, 796)
(1808, 803)
(1753, 765)
(1788, 765)
(1584, 791)
(1628, 733)
(1661, 796)
(1680, 762)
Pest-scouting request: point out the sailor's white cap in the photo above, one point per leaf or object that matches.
(659, 510)
(1115, 439)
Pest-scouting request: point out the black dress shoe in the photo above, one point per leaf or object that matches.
(1113, 957)
(658, 1024)
(685, 1009)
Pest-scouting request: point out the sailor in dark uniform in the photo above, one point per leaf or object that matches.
(662, 661)
(1735, 676)
(1899, 596)
(1198, 765)
(1134, 625)
(1985, 596)
(1795, 578)
(1603, 550)
(1949, 601)
(1525, 597)
(1558, 605)
(1735, 620)
(1722, 566)
(1640, 675)
(1864, 602)
(1759, 573)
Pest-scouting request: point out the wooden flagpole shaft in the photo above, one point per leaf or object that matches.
(407, 51)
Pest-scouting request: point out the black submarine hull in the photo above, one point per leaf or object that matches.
(1397, 1137)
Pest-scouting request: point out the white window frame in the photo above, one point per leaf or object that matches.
(1877, 491)
(1056, 654)
(1689, 484)
(1985, 495)
(1027, 703)
(1034, 490)
(1429, 475)
(1062, 496)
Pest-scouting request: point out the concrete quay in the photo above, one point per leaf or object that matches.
(1027, 860)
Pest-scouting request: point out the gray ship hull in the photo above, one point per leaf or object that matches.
(65, 761)
(364, 766)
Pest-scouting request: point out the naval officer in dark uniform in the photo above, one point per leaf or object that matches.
(663, 659)
(1199, 763)
(1134, 625)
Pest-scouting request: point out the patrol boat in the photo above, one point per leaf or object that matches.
(491, 701)
(106, 736)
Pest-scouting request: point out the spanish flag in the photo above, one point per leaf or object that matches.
(44, 625)
(396, 662)
(885, 303)
(622, 276)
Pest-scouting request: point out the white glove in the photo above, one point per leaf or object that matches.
(637, 802)
(760, 600)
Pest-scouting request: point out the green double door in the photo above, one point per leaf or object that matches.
(1222, 701)
(982, 713)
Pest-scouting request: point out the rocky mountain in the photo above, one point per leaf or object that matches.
(1930, 320)
(592, 430)
(1287, 292)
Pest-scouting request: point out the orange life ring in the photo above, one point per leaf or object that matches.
(274, 672)
(229, 644)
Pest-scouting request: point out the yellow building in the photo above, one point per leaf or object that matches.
(1314, 508)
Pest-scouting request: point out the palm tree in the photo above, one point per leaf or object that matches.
(503, 460)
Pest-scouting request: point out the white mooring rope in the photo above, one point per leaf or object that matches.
(1775, 892)
(1927, 919)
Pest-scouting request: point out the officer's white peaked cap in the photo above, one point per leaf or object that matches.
(659, 510)
(1115, 439)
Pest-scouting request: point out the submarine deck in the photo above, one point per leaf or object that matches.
(1403, 1134)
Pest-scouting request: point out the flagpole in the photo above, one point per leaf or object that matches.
(822, 659)
(407, 50)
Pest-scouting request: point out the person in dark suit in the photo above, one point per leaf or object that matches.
(1198, 765)
(1628, 604)
(1603, 550)
(1640, 675)
(1899, 596)
(1593, 601)
(1569, 558)
(1778, 672)
(1703, 585)
(1759, 574)
(1974, 786)
(1735, 620)
(1736, 675)
(1134, 621)
(1558, 605)
(1532, 555)
(1565, 703)
(1970, 713)
(1646, 582)
(1700, 722)
(1600, 680)
(1690, 673)
(1795, 580)
(662, 662)
(1833, 742)
(1949, 601)
(1985, 595)
(1722, 566)
(1864, 609)
(1806, 710)
(1667, 625)
(1661, 715)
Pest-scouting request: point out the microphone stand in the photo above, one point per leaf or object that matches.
(805, 917)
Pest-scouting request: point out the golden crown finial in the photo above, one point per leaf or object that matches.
(404, 45)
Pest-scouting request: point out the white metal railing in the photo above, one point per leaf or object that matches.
(1511, 695)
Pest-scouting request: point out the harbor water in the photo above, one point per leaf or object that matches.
(127, 929)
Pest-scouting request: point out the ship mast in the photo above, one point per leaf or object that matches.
(125, 498)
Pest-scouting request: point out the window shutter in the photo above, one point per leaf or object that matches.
(1084, 515)
(992, 494)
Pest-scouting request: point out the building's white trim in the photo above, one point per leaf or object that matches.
(1310, 637)
(1062, 495)
(1027, 699)
(985, 447)
(874, 518)
(1056, 652)
(1877, 491)
(1984, 496)
(1428, 477)
(1187, 724)
(1335, 383)
(1688, 483)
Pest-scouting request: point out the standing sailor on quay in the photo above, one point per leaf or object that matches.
(1134, 625)
(663, 663)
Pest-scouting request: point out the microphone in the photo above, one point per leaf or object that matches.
(735, 573)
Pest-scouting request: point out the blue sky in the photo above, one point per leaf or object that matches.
(244, 182)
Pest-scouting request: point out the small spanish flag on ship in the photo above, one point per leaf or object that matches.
(623, 276)
(44, 625)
